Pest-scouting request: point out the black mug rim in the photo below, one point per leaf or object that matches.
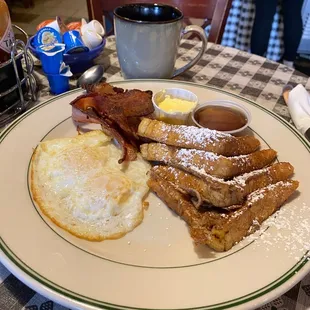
(149, 5)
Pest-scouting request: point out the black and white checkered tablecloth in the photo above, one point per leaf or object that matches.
(227, 68)
(245, 74)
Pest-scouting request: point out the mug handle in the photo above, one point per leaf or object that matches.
(200, 32)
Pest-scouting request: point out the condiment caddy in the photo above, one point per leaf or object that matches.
(83, 41)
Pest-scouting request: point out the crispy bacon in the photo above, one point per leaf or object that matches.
(103, 89)
(118, 111)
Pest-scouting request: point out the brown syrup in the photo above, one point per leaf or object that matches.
(220, 118)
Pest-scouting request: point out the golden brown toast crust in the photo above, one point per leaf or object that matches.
(217, 193)
(197, 138)
(263, 177)
(220, 193)
(238, 224)
(220, 229)
(210, 163)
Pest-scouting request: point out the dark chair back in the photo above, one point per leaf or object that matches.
(212, 12)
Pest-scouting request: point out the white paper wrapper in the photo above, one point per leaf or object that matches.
(299, 107)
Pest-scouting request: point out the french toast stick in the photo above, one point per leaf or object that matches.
(257, 179)
(177, 201)
(181, 204)
(238, 224)
(216, 165)
(217, 228)
(218, 192)
(197, 138)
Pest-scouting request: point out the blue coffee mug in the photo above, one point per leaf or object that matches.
(73, 42)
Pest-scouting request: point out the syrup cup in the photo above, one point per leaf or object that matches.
(227, 104)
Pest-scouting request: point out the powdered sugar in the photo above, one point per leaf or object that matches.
(260, 193)
(239, 181)
(186, 159)
(240, 160)
(189, 135)
(192, 157)
(173, 170)
(256, 197)
(188, 155)
(288, 229)
(237, 213)
(207, 177)
(242, 179)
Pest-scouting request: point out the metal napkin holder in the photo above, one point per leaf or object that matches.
(25, 86)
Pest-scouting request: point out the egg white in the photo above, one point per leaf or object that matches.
(79, 184)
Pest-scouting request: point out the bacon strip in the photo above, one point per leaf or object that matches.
(118, 111)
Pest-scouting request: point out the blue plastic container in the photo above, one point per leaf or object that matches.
(52, 59)
(58, 83)
(78, 62)
(46, 35)
(73, 42)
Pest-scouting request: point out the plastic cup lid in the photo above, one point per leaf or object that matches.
(47, 36)
(51, 49)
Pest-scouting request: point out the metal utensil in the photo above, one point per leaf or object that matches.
(91, 76)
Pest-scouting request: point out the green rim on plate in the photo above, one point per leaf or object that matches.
(12, 260)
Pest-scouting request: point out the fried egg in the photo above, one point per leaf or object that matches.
(79, 184)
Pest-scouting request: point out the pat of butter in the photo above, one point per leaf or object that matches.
(171, 104)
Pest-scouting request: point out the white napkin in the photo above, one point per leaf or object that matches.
(299, 107)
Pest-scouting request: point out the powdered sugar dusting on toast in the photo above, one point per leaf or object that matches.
(237, 213)
(288, 228)
(191, 134)
(208, 160)
(260, 193)
(242, 179)
(239, 181)
(186, 158)
(207, 177)
(188, 154)
(240, 160)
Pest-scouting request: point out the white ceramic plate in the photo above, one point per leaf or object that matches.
(156, 266)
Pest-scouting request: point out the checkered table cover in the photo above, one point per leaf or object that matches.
(227, 68)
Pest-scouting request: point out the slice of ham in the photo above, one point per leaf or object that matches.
(118, 111)
(81, 117)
